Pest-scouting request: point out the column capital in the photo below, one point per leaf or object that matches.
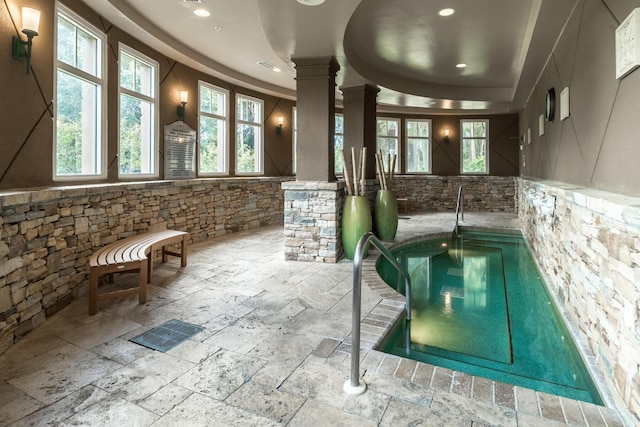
(316, 67)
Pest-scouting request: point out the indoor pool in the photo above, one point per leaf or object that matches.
(480, 306)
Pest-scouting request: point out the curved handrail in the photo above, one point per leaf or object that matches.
(354, 386)
(459, 207)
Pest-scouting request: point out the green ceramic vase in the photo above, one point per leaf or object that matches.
(386, 215)
(356, 220)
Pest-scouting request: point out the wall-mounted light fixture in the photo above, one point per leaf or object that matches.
(30, 24)
(446, 136)
(184, 95)
(280, 123)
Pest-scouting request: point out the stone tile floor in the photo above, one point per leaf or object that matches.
(274, 352)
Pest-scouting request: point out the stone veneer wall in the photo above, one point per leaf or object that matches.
(48, 235)
(587, 243)
(440, 193)
(312, 214)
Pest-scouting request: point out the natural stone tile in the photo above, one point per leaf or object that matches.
(318, 413)
(316, 379)
(144, 376)
(267, 402)
(22, 406)
(60, 372)
(550, 407)
(193, 351)
(389, 364)
(592, 415)
(572, 412)
(61, 410)
(371, 405)
(398, 388)
(611, 417)
(528, 420)
(442, 378)
(112, 412)
(121, 351)
(405, 369)
(527, 401)
(401, 413)
(504, 395)
(449, 403)
(221, 374)
(102, 330)
(325, 348)
(163, 400)
(423, 374)
(462, 384)
(483, 389)
(274, 373)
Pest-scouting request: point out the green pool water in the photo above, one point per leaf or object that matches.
(479, 306)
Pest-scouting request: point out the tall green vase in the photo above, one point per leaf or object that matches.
(356, 220)
(386, 215)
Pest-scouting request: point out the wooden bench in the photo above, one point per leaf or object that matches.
(130, 254)
(404, 204)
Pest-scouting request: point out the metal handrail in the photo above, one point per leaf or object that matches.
(459, 207)
(354, 386)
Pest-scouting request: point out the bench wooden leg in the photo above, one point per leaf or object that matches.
(183, 251)
(142, 295)
(93, 291)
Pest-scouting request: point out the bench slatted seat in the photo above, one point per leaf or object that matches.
(130, 254)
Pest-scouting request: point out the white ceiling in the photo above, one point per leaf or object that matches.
(402, 46)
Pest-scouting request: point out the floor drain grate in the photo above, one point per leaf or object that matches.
(168, 335)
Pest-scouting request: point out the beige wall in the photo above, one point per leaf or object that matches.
(27, 110)
(597, 146)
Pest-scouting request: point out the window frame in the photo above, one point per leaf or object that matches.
(259, 123)
(485, 138)
(101, 145)
(397, 138)
(294, 141)
(335, 136)
(153, 99)
(407, 138)
(224, 117)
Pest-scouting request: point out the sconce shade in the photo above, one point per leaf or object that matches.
(280, 121)
(30, 21)
(446, 132)
(30, 24)
(184, 96)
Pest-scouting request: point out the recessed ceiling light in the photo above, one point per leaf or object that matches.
(217, 28)
(311, 2)
(446, 12)
(276, 70)
(461, 65)
(202, 13)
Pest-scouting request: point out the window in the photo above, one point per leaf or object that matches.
(338, 143)
(138, 138)
(212, 130)
(249, 156)
(294, 160)
(387, 140)
(80, 134)
(418, 135)
(475, 146)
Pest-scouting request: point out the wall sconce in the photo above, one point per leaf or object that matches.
(30, 24)
(184, 95)
(280, 123)
(446, 136)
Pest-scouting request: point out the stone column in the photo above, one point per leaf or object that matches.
(313, 203)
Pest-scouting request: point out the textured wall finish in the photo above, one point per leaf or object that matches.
(597, 145)
(47, 236)
(587, 243)
(440, 193)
